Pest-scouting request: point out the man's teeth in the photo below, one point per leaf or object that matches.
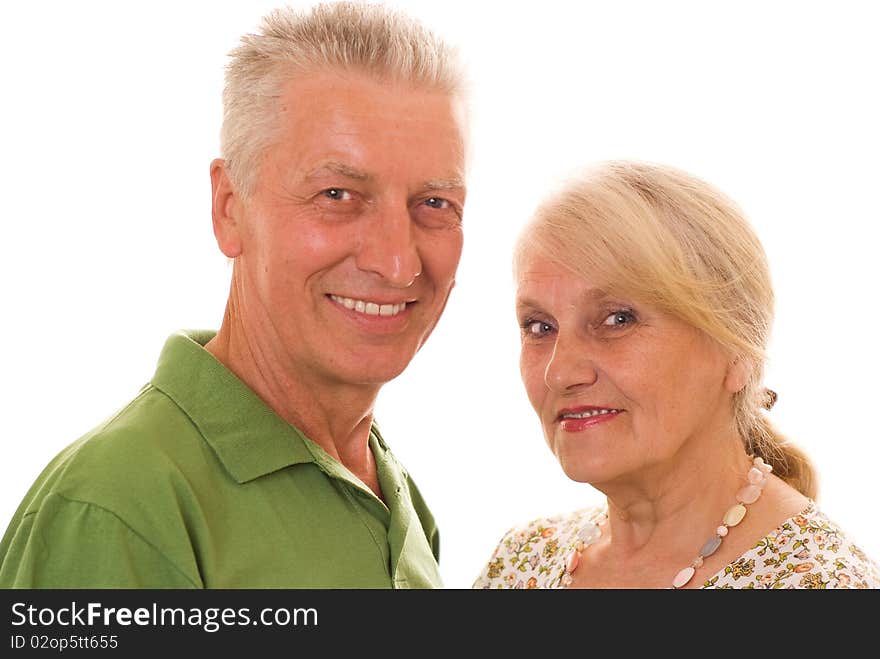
(586, 415)
(369, 308)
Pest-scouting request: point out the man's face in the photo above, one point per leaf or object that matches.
(348, 244)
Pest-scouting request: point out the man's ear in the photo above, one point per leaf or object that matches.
(225, 210)
(738, 371)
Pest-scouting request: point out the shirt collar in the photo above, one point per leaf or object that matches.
(247, 436)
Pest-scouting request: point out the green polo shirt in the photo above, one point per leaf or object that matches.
(198, 484)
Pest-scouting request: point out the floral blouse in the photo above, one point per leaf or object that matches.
(806, 551)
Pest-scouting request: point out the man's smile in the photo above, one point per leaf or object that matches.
(371, 308)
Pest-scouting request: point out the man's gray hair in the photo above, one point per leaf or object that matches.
(365, 38)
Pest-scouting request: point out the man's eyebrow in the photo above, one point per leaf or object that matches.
(453, 183)
(335, 167)
(340, 168)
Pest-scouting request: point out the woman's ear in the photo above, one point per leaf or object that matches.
(738, 372)
(225, 210)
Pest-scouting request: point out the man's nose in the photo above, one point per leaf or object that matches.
(389, 248)
(570, 365)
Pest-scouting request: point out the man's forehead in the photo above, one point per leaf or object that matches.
(338, 124)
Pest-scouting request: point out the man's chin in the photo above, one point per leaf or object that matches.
(375, 372)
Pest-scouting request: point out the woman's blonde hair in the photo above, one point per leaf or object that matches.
(369, 39)
(666, 238)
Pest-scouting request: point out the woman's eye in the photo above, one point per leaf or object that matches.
(536, 327)
(620, 318)
(337, 194)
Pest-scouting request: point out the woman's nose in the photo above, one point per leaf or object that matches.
(570, 365)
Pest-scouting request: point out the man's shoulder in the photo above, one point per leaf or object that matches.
(120, 493)
(125, 456)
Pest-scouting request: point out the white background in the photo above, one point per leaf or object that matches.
(110, 116)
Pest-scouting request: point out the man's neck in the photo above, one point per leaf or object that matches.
(336, 416)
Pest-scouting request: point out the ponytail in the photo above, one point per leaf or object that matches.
(789, 462)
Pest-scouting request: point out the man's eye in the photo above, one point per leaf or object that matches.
(437, 202)
(620, 318)
(337, 194)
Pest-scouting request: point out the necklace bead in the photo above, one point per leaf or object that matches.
(683, 577)
(749, 494)
(711, 546)
(734, 515)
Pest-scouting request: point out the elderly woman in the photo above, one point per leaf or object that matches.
(645, 305)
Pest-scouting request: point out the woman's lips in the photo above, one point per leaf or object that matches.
(581, 418)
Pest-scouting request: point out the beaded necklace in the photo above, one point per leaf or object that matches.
(757, 479)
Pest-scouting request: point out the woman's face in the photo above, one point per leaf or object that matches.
(618, 386)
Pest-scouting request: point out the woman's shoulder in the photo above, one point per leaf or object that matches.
(535, 554)
(807, 551)
(557, 527)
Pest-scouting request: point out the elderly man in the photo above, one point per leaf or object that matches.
(251, 459)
